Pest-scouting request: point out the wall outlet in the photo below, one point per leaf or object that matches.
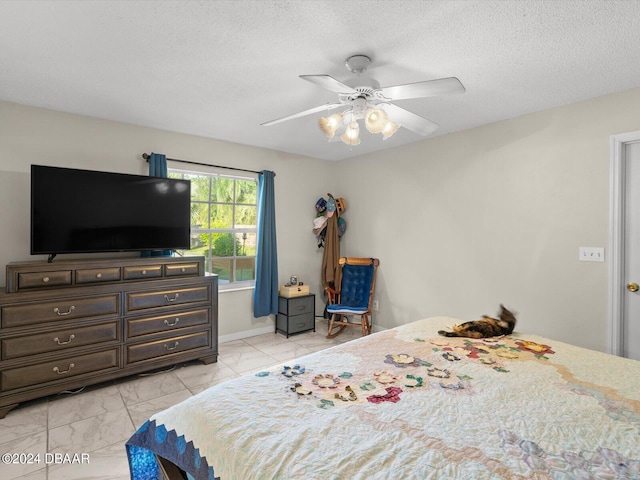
(591, 254)
(375, 305)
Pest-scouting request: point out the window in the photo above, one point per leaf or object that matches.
(223, 225)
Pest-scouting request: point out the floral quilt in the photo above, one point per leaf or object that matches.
(406, 403)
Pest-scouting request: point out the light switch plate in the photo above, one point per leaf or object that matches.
(591, 254)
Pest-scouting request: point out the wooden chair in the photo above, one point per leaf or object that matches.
(354, 295)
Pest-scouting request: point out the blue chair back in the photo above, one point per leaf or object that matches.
(356, 285)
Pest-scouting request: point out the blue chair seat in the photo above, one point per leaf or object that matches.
(346, 310)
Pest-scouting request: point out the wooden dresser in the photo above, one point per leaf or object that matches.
(67, 324)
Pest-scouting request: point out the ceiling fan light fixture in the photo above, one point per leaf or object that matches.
(375, 120)
(363, 98)
(389, 129)
(330, 124)
(351, 136)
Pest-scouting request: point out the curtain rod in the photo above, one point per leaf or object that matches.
(146, 157)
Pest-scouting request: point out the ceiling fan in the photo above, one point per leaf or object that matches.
(366, 100)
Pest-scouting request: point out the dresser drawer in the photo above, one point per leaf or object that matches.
(97, 275)
(295, 323)
(141, 272)
(54, 310)
(181, 269)
(142, 300)
(163, 323)
(144, 351)
(296, 305)
(68, 366)
(59, 278)
(58, 340)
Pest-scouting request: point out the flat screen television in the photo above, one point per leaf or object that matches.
(85, 211)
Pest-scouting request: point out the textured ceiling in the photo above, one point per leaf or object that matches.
(219, 69)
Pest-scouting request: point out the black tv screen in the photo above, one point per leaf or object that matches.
(82, 211)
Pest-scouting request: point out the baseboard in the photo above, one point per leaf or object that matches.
(246, 334)
(271, 329)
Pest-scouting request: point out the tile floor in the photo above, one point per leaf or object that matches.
(98, 421)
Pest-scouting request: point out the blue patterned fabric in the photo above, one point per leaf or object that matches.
(354, 289)
(151, 439)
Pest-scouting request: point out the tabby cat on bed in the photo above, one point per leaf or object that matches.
(487, 327)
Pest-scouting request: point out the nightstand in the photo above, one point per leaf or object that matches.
(296, 314)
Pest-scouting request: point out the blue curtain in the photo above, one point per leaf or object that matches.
(158, 165)
(157, 168)
(265, 295)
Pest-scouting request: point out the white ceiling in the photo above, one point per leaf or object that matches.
(219, 69)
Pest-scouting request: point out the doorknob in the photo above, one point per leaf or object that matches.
(633, 287)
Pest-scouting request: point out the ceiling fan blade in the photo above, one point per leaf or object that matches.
(410, 120)
(328, 82)
(429, 88)
(328, 106)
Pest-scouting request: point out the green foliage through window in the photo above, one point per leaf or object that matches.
(223, 224)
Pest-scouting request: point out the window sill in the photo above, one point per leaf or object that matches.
(235, 289)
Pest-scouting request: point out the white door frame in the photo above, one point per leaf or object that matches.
(616, 237)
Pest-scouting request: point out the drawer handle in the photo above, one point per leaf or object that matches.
(175, 345)
(166, 322)
(175, 297)
(301, 325)
(98, 275)
(62, 372)
(301, 307)
(183, 269)
(45, 279)
(143, 272)
(62, 314)
(57, 340)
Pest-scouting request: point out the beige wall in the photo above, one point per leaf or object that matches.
(464, 222)
(461, 223)
(32, 135)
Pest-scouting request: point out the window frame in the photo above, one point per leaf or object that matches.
(223, 284)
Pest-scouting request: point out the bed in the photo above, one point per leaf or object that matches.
(406, 403)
